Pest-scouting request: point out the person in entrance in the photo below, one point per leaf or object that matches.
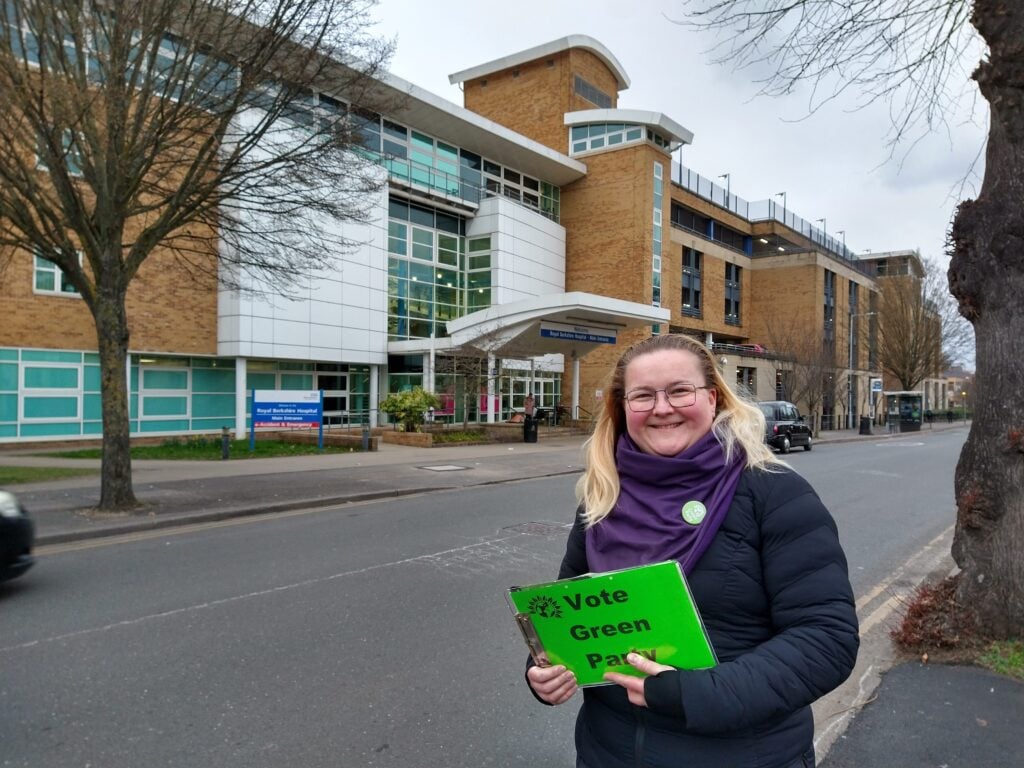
(762, 557)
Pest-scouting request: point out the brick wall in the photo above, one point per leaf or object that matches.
(533, 98)
(168, 310)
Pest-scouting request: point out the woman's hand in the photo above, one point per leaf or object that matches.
(635, 685)
(555, 685)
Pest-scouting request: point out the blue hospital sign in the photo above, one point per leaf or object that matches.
(577, 333)
(286, 408)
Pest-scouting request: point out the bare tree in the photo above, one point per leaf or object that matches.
(909, 53)
(809, 367)
(188, 128)
(920, 329)
(466, 370)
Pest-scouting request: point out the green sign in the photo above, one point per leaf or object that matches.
(591, 623)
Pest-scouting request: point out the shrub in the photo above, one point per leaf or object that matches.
(408, 407)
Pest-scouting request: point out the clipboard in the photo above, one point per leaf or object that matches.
(589, 623)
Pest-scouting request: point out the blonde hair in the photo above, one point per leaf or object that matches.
(737, 423)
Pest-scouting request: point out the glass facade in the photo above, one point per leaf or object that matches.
(733, 273)
(435, 273)
(587, 138)
(691, 290)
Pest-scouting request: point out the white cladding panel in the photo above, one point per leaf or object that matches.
(527, 250)
(336, 314)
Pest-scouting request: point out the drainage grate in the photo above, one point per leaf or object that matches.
(540, 529)
(444, 468)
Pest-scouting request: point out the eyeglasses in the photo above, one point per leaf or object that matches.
(678, 396)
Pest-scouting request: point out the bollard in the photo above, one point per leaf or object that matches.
(225, 443)
(366, 436)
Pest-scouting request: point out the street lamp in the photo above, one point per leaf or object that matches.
(783, 196)
(963, 396)
(824, 229)
(843, 233)
(849, 380)
(727, 187)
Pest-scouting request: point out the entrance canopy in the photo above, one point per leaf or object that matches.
(572, 324)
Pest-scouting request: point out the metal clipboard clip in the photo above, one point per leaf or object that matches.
(533, 642)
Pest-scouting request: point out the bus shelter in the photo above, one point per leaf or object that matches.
(904, 410)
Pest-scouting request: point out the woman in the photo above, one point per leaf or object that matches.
(677, 469)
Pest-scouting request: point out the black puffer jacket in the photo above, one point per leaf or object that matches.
(776, 599)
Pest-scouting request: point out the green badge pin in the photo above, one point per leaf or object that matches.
(693, 512)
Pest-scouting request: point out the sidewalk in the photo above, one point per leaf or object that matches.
(957, 717)
(180, 492)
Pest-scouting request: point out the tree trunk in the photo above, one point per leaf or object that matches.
(116, 493)
(986, 275)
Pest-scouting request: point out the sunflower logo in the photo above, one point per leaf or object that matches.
(545, 607)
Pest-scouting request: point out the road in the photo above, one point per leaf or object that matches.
(365, 635)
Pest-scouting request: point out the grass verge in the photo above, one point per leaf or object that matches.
(209, 449)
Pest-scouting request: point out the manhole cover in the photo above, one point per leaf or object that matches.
(444, 468)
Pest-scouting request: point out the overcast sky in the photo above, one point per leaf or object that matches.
(833, 164)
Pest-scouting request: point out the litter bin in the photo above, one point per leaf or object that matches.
(865, 425)
(530, 430)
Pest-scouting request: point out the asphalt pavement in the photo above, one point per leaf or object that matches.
(921, 715)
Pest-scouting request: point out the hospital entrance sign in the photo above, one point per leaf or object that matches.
(577, 333)
(287, 409)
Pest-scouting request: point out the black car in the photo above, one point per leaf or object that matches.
(16, 536)
(785, 428)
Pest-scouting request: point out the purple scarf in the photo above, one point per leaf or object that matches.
(647, 524)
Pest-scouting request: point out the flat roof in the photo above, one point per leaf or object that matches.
(547, 49)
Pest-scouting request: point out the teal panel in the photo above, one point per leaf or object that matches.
(46, 430)
(165, 379)
(133, 407)
(49, 356)
(8, 407)
(133, 378)
(214, 405)
(260, 381)
(164, 406)
(207, 424)
(213, 380)
(51, 378)
(91, 358)
(133, 427)
(9, 354)
(92, 407)
(8, 430)
(294, 381)
(91, 379)
(92, 428)
(174, 425)
(51, 407)
(9, 377)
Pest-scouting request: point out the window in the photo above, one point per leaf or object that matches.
(732, 294)
(583, 138)
(829, 309)
(688, 219)
(746, 381)
(435, 273)
(70, 151)
(591, 93)
(691, 282)
(49, 278)
(426, 162)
